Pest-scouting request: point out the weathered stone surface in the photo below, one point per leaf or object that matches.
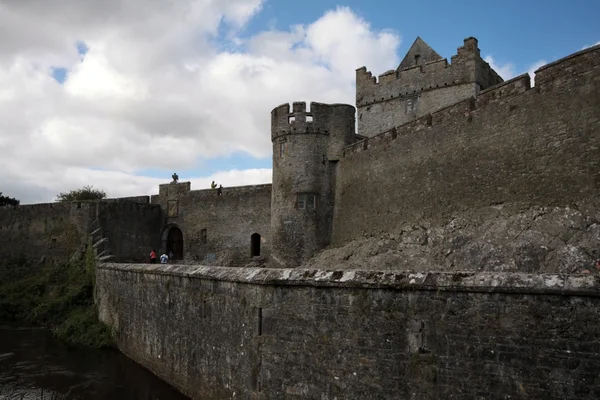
(419, 87)
(223, 333)
(58, 231)
(495, 238)
(306, 148)
(215, 225)
(419, 53)
(516, 146)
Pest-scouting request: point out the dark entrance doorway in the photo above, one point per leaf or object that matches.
(175, 243)
(255, 245)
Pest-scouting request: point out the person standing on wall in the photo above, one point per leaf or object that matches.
(153, 257)
(213, 185)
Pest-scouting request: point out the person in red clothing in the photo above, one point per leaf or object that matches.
(153, 257)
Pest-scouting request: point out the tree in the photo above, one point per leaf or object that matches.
(8, 201)
(85, 193)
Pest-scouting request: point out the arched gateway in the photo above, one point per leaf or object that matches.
(173, 242)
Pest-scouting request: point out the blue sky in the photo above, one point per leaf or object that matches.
(520, 32)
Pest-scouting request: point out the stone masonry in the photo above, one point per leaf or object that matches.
(423, 83)
(259, 333)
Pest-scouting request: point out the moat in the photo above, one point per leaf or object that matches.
(34, 365)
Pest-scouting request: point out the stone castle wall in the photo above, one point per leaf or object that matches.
(132, 229)
(512, 145)
(44, 232)
(219, 227)
(401, 96)
(54, 232)
(246, 333)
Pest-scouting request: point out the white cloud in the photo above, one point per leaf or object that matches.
(591, 45)
(508, 71)
(534, 67)
(156, 90)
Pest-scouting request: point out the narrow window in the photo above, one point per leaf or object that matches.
(417, 56)
(311, 202)
(301, 200)
(309, 118)
(259, 325)
(203, 236)
(254, 245)
(282, 150)
(409, 105)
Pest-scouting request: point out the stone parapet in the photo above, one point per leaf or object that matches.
(487, 282)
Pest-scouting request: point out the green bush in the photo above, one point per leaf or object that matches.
(59, 296)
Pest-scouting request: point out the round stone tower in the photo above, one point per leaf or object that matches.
(306, 148)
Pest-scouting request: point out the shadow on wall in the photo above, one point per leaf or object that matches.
(173, 242)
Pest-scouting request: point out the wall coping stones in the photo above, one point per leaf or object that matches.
(486, 282)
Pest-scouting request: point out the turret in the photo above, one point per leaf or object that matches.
(306, 148)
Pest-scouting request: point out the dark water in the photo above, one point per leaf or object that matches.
(34, 365)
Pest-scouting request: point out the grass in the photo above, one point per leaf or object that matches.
(59, 296)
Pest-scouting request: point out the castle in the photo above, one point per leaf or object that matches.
(495, 182)
(435, 140)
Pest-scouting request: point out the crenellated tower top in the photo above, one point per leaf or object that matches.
(423, 83)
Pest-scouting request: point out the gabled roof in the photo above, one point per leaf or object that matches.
(418, 54)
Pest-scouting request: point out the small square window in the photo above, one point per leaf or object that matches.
(306, 201)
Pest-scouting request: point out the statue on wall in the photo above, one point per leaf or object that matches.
(175, 177)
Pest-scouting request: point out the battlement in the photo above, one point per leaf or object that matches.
(461, 109)
(407, 82)
(174, 189)
(183, 189)
(556, 73)
(320, 119)
(513, 146)
(554, 76)
(35, 208)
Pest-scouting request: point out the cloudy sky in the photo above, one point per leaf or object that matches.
(119, 94)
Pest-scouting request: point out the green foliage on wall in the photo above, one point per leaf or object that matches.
(8, 201)
(85, 193)
(59, 296)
